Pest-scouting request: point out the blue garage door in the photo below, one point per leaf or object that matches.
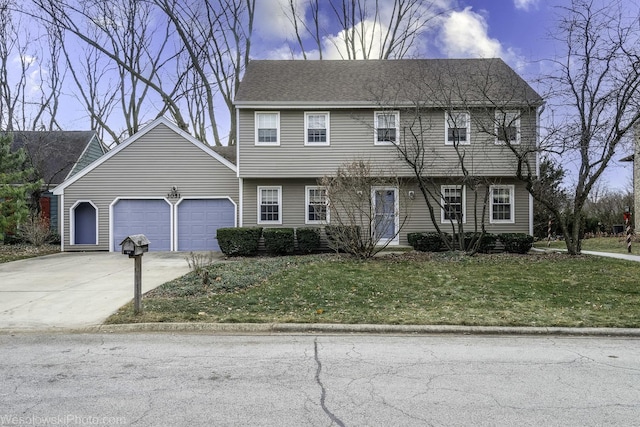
(149, 217)
(198, 220)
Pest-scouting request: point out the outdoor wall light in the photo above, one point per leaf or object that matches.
(173, 194)
(412, 194)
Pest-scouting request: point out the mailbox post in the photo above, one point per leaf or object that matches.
(135, 246)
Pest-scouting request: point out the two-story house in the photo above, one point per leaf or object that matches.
(300, 120)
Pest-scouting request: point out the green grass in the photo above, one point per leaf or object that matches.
(598, 244)
(505, 290)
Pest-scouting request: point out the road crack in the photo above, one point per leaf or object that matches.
(323, 394)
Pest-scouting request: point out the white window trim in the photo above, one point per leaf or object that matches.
(306, 205)
(446, 126)
(259, 197)
(443, 220)
(498, 121)
(255, 120)
(396, 113)
(72, 223)
(306, 128)
(512, 197)
(396, 209)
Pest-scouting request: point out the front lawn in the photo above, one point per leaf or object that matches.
(412, 288)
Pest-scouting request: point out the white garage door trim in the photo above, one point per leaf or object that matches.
(111, 218)
(177, 219)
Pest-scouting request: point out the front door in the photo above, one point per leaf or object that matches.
(385, 201)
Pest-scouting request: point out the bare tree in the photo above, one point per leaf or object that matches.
(122, 32)
(368, 30)
(216, 35)
(594, 96)
(363, 208)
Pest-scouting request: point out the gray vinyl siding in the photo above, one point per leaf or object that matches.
(148, 168)
(415, 211)
(352, 138)
(92, 152)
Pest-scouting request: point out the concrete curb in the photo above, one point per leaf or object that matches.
(328, 328)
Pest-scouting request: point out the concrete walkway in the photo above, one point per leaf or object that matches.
(628, 257)
(74, 290)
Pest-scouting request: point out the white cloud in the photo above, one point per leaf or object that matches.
(272, 20)
(464, 34)
(525, 4)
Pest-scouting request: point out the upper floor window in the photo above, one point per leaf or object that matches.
(457, 128)
(501, 206)
(507, 127)
(453, 203)
(269, 205)
(316, 126)
(317, 211)
(387, 124)
(267, 128)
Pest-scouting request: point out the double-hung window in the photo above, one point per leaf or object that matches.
(387, 127)
(507, 127)
(316, 126)
(269, 205)
(457, 127)
(453, 203)
(502, 204)
(317, 210)
(267, 128)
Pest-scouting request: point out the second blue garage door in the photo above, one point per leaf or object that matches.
(199, 219)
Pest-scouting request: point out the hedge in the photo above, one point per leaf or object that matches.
(308, 239)
(241, 241)
(516, 243)
(425, 242)
(279, 241)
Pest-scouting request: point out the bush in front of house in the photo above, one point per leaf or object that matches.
(279, 241)
(487, 241)
(425, 242)
(345, 238)
(241, 241)
(516, 243)
(308, 239)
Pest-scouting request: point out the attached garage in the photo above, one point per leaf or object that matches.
(162, 183)
(198, 220)
(142, 216)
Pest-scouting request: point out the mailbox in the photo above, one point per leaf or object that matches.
(135, 245)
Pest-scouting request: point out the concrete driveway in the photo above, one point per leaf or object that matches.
(75, 290)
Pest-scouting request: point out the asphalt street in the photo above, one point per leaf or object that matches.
(161, 379)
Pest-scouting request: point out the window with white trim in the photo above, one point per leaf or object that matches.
(387, 127)
(267, 128)
(269, 205)
(316, 128)
(501, 208)
(507, 127)
(453, 203)
(317, 205)
(457, 128)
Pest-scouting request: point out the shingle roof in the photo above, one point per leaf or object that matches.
(367, 82)
(54, 153)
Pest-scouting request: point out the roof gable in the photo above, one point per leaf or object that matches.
(131, 140)
(375, 82)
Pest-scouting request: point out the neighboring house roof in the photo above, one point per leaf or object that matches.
(387, 82)
(57, 155)
(159, 121)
